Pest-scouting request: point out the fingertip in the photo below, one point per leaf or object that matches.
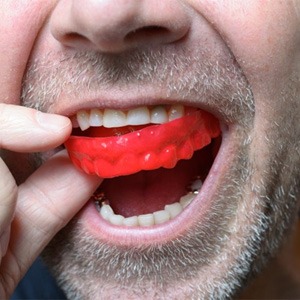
(53, 122)
(28, 130)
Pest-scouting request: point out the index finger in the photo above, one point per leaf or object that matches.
(46, 202)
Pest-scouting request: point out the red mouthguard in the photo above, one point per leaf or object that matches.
(150, 148)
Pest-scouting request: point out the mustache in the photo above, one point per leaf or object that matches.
(214, 79)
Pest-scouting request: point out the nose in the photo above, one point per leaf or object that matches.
(113, 26)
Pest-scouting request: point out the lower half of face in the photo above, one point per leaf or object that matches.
(204, 177)
(208, 250)
(196, 228)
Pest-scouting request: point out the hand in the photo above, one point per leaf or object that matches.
(31, 214)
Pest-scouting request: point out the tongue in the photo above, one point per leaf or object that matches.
(149, 191)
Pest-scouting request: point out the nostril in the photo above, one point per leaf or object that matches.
(74, 38)
(145, 33)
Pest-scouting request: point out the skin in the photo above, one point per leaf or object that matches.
(257, 40)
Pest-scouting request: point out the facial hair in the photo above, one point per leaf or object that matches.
(212, 259)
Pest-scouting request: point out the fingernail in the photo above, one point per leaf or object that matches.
(52, 122)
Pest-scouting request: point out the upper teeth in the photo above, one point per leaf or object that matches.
(138, 116)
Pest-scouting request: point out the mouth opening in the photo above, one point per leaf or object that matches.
(147, 197)
(148, 192)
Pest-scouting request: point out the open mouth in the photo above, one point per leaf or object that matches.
(154, 160)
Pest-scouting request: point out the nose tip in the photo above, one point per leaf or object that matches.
(118, 25)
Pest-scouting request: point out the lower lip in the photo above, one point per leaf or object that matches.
(193, 214)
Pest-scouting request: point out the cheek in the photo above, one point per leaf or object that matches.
(20, 22)
(263, 36)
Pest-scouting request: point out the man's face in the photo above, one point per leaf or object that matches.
(239, 61)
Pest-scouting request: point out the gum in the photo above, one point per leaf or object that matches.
(150, 148)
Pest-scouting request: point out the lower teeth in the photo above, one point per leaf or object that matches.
(169, 212)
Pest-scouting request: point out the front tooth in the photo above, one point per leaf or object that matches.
(158, 115)
(146, 220)
(83, 119)
(116, 219)
(131, 221)
(161, 216)
(187, 199)
(174, 209)
(138, 116)
(96, 117)
(176, 112)
(114, 118)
